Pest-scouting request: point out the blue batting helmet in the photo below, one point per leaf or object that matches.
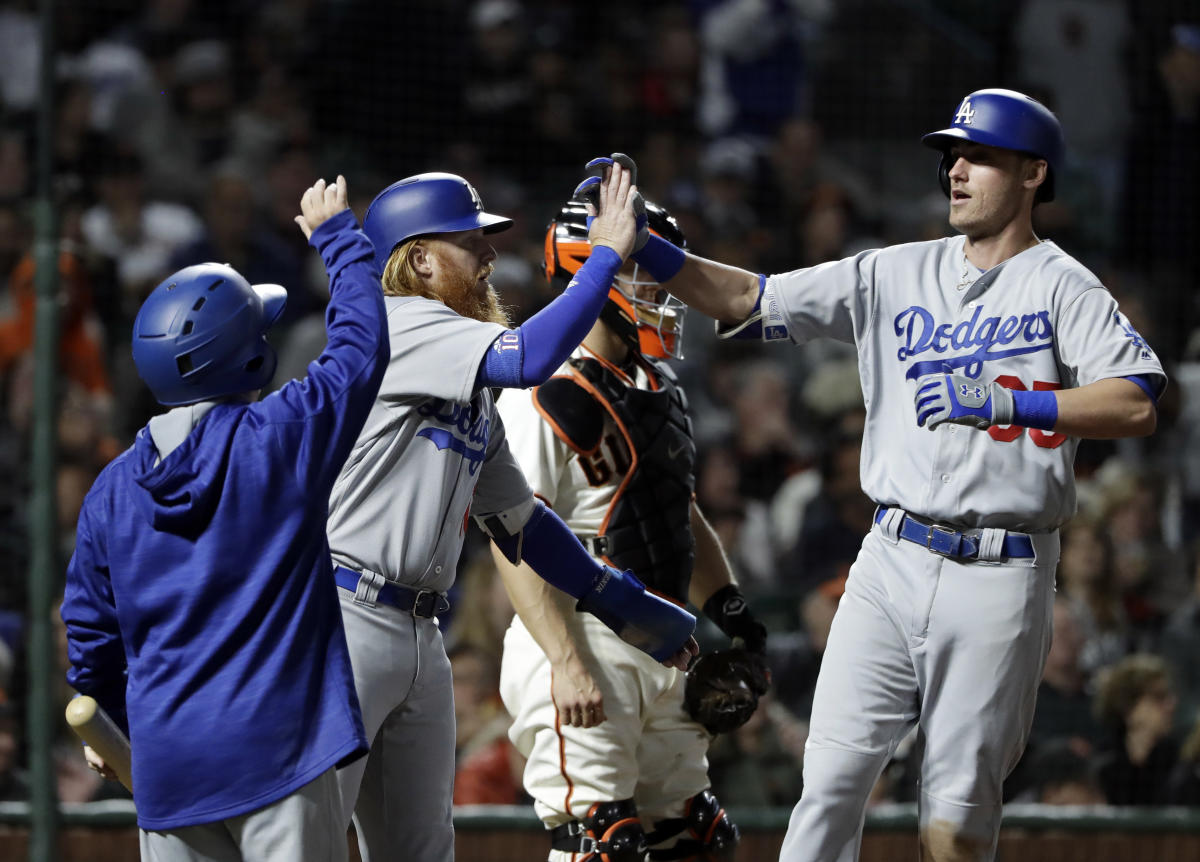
(425, 204)
(1007, 119)
(200, 335)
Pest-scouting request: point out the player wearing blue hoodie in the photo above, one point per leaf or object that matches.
(200, 604)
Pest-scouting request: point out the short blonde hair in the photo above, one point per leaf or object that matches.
(400, 277)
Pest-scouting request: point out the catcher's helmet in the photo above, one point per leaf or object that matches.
(1007, 119)
(654, 328)
(200, 334)
(425, 204)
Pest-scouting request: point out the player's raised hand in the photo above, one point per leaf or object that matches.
(963, 401)
(615, 211)
(320, 202)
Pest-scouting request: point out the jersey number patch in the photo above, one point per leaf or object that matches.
(599, 467)
(1040, 438)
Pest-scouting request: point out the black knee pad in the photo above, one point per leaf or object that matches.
(611, 832)
(706, 832)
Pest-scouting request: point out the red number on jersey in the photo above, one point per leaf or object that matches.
(1006, 434)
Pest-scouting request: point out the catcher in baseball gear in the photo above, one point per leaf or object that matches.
(723, 687)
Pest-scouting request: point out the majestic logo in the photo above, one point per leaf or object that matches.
(466, 430)
(920, 333)
(965, 115)
(1138, 342)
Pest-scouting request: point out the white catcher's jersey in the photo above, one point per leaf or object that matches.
(432, 448)
(579, 487)
(1040, 320)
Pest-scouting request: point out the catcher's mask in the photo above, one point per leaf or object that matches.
(639, 310)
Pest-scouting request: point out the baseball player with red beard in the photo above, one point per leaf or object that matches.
(433, 449)
(984, 359)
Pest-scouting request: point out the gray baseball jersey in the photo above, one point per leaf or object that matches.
(431, 449)
(1040, 320)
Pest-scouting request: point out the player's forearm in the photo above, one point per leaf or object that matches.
(711, 570)
(725, 293)
(541, 608)
(1104, 410)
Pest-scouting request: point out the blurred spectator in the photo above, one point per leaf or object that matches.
(81, 345)
(1074, 51)
(1184, 784)
(766, 439)
(498, 89)
(236, 234)
(1063, 776)
(755, 70)
(1135, 701)
(487, 766)
(1180, 647)
(1148, 574)
(14, 782)
(1064, 712)
(834, 521)
(1087, 583)
(761, 763)
(138, 235)
(1160, 217)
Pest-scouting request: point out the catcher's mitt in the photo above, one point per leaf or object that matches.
(723, 688)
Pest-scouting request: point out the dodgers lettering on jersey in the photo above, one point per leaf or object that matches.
(432, 449)
(1037, 321)
(922, 334)
(464, 429)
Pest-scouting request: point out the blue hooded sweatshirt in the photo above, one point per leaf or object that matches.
(200, 604)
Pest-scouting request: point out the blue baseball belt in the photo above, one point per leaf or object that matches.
(952, 542)
(420, 603)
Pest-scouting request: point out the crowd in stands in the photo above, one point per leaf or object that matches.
(781, 134)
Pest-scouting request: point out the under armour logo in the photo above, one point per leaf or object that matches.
(965, 114)
(968, 391)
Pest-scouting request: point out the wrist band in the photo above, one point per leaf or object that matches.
(1037, 409)
(660, 258)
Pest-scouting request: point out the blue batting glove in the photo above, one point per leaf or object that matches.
(589, 192)
(963, 401)
(640, 618)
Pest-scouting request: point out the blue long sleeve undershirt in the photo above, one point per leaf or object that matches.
(528, 355)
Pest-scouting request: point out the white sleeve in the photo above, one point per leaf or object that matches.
(831, 300)
(1096, 341)
(435, 352)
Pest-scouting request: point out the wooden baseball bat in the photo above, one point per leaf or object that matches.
(94, 726)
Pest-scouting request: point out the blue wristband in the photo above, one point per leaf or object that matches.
(660, 258)
(1037, 409)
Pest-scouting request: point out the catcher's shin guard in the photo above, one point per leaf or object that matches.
(706, 833)
(611, 832)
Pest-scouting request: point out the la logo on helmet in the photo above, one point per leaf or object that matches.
(965, 114)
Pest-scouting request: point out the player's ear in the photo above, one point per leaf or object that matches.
(421, 259)
(1034, 172)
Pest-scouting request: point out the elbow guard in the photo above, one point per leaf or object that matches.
(508, 528)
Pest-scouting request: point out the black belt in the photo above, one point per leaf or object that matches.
(426, 604)
(949, 542)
